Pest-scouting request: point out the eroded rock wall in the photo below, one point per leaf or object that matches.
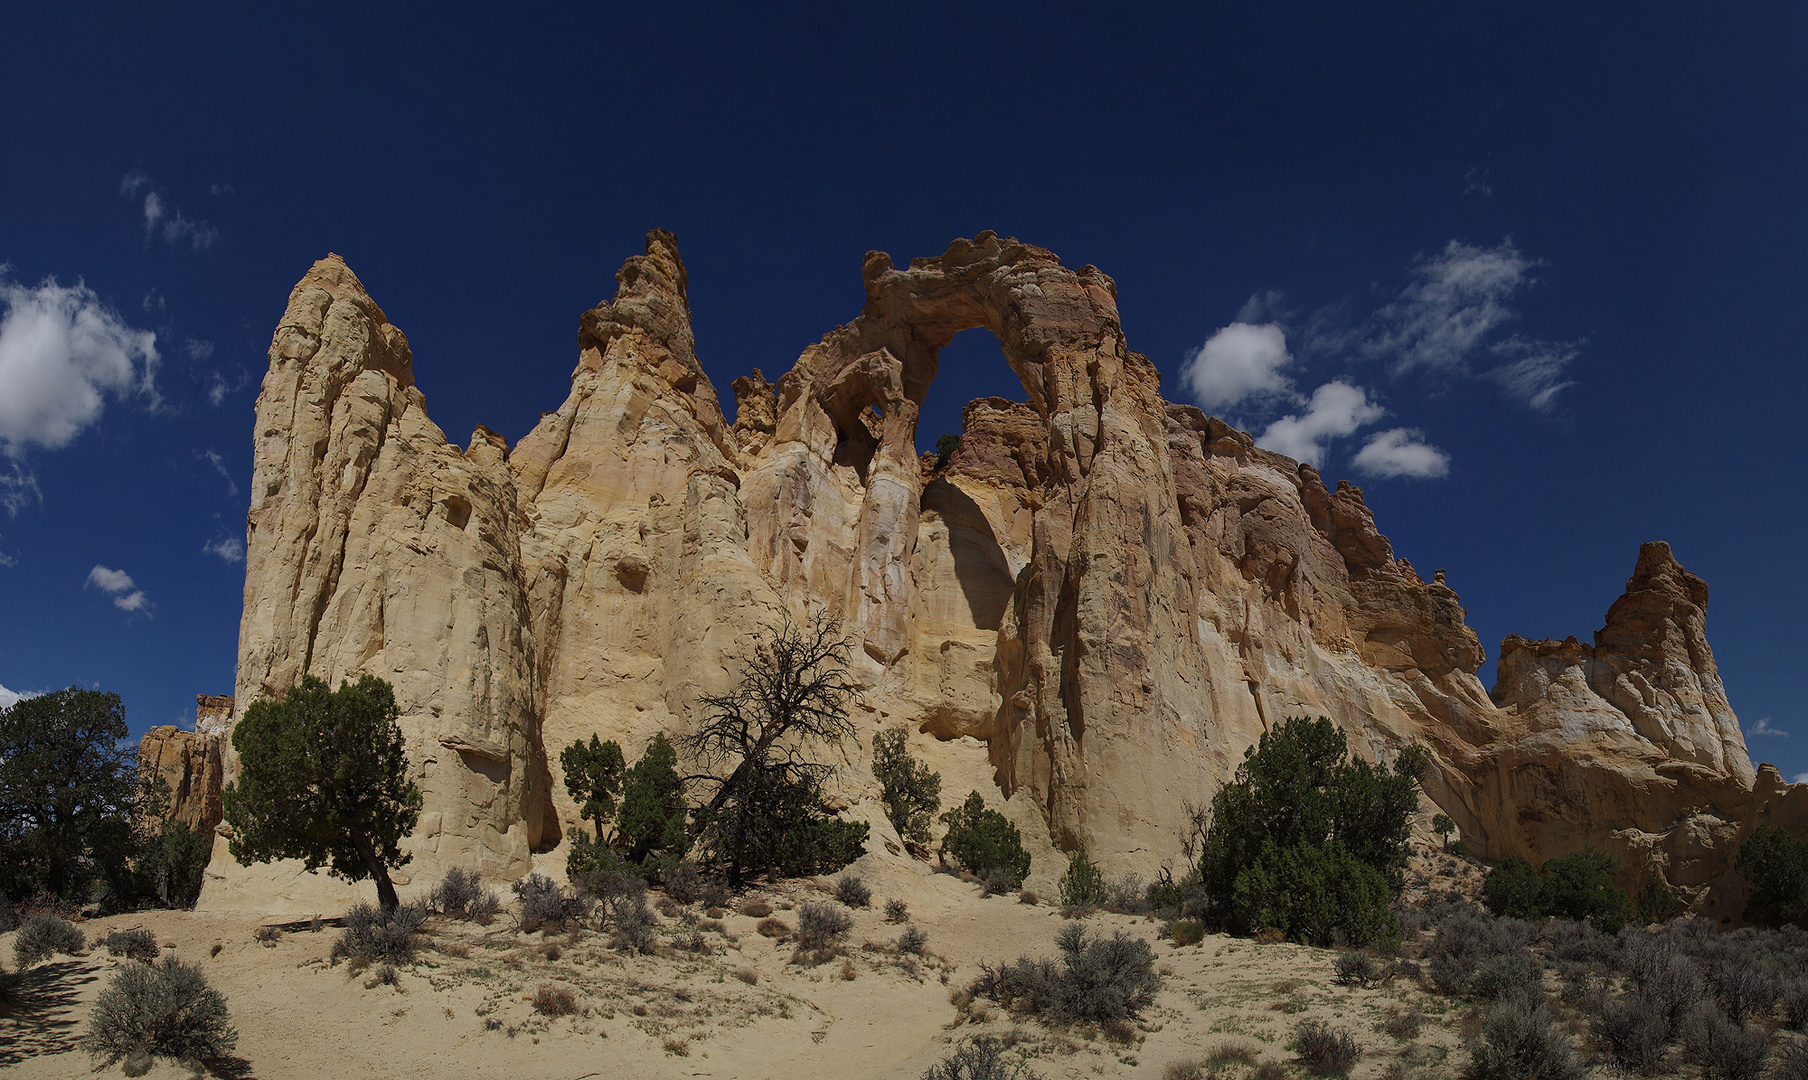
(1088, 613)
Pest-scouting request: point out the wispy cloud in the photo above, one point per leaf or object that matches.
(118, 585)
(197, 349)
(159, 220)
(212, 457)
(1401, 452)
(229, 548)
(1237, 362)
(9, 698)
(1764, 726)
(1335, 409)
(219, 387)
(62, 353)
(1455, 310)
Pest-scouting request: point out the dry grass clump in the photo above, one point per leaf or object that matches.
(747, 975)
(1184, 1069)
(755, 908)
(1324, 1052)
(678, 1047)
(1028, 897)
(775, 928)
(554, 1000)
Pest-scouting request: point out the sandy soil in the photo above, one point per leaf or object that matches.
(465, 1009)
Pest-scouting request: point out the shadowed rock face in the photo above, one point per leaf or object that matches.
(1090, 613)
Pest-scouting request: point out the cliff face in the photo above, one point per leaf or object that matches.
(1088, 614)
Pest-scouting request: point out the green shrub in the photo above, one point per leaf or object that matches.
(852, 891)
(42, 936)
(138, 944)
(979, 840)
(1656, 903)
(1775, 864)
(1580, 886)
(1576, 886)
(1307, 840)
(1512, 888)
(175, 863)
(1188, 932)
(461, 895)
(162, 1010)
(1314, 894)
(910, 791)
(1082, 885)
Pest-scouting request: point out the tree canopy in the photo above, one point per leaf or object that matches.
(593, 776)
(70, 788)
(911, 792)
(323, 778)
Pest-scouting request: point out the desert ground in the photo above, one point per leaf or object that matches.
(742, 1010)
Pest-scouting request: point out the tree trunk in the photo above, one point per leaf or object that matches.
(386, 894)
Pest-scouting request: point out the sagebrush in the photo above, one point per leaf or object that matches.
(161, 1010)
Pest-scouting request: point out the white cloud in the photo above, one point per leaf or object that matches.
(1456, 308)
(213, 458)
(1799, 778)
(174, 227)
(1237, 362)
(1536, 376)
(118, 584)
(1454, 301)
(197, 349)
(1335, 409)
(1401, 452)
(9, 698)
(229, 548)
(62, 352)
(1765, 727)
(1262, 307)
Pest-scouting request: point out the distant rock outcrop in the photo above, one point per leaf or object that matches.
(1089, 613)
(191, 763)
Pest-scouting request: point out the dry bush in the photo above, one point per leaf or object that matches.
(668, 907)
(820, 929)
(896, 911)
(1229, 1052)
(1184, 1069)
(137, 944)
(1404, 1025)
(681, 881)
(1635, 1032)
(981, 1058)
(848, 972)
(545, 904)
(384, 975)
(1792, 1064)
(1097, 979)
(774, 928)
(713, 926)
(1324, 1052)
(42, 936)
(159, 1010)
(715, 913)
(1723, 1049)
(912, 940)
(1270, 1070)
(678, 1046)
(454, 948)
(1268, 935)
(267, 935)
(748, 976)
(1028, 897)
(852, 891)
(1520, 1041)
(374, 934)
(551, 952)
(1355, 969)
(755, 909)
(554, 1000)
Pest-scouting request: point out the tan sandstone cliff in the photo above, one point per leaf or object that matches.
(1089, 614)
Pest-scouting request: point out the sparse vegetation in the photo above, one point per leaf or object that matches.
(1324, 1052)
(852, 891)
(820, 928)
(160, 1010)
(374, 935)
(896, 911)
(1096, 979)
(42, 936)
(554, 1000)
(912, 940)
(138, 944)
(461, 895)
(981, 1058)
(910, 791)
(544, 904)
(979, 840)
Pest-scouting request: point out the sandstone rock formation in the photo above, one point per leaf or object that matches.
(191, 763)
(1088, 614)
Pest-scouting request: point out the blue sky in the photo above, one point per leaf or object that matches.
(1532, 275)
